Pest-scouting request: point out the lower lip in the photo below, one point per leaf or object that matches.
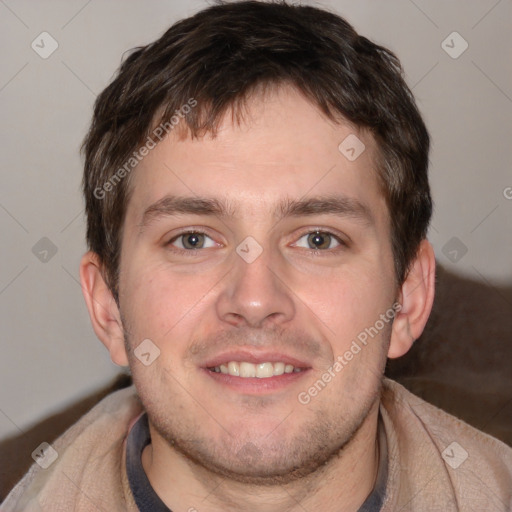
(255, 385)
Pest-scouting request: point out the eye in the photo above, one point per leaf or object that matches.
(192, 240)
(319, 240)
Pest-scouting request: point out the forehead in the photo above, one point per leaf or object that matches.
(283, 147)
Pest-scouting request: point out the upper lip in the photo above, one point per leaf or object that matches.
(255, 357)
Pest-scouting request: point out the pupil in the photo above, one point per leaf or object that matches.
(318, 240)
(192, 241)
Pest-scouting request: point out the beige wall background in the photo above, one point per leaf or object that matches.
(49, 353)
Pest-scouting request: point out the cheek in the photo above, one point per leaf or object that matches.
(146, 306)
(350, 302)
(160, 302)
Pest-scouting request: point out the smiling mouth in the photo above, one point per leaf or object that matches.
(247, 370)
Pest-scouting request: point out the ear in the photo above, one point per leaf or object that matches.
(103, 310)
(416, 297)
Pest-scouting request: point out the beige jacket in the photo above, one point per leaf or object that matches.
(436, 462)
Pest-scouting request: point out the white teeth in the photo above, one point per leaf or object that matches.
(247, 370)
(233, 368)
(261, 370)
(278, 368)
(264, 370)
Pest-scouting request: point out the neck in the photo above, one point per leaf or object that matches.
(342, 484)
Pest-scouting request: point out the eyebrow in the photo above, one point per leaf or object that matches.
(343, 206)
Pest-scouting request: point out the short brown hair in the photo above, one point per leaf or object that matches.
(218, 57)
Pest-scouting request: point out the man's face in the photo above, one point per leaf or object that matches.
(210, 298)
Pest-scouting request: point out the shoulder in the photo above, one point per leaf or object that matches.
(88, 455)
(471, 467)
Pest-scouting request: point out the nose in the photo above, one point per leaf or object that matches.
(256, 294)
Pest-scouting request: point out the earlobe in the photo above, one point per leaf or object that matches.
(416, 298)
(103, 310)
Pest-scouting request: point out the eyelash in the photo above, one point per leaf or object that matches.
(315, 252)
